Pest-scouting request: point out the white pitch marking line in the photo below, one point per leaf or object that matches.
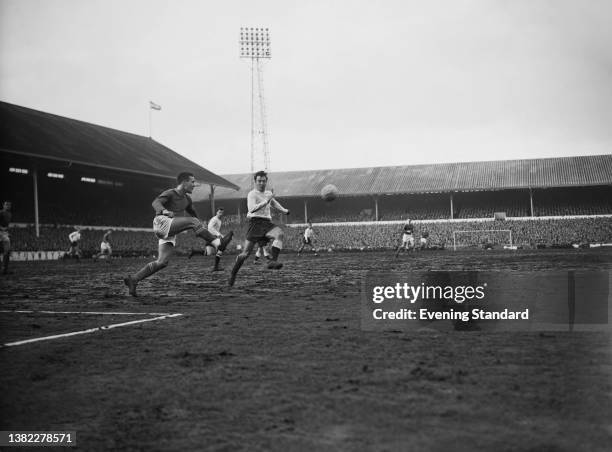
(87, 312)
(90, 330)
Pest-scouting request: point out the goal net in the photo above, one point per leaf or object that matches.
(482, 238)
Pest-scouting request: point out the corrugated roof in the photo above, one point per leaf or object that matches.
(35, 133)
(447, 177)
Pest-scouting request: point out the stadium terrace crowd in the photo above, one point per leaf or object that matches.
(466, 210)
(511, 210)
(64, 214)
(413, 214)
(573, 202)
(568, 208)
(525, 233)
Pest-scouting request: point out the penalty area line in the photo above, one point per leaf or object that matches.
(90, 330)
(83, 312)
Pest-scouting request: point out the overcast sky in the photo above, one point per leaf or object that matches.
(351, 83)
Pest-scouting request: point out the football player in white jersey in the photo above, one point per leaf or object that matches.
(261, 228)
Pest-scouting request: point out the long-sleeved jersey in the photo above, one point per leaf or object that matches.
(174, 201)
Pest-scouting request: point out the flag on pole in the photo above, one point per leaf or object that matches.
(154, 106)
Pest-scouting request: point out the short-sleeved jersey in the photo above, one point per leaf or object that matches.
(256, 197)
(308, 233)
(173, 201)
(214, 226)
(74, 236)
(5, 219)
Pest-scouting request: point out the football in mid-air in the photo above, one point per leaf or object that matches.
(329, 192)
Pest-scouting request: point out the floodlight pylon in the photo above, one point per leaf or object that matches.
(255, 45)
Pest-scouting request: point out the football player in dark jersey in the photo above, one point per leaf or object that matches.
(407, 239)
(170, 219)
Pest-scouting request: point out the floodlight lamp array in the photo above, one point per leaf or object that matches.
(254, 43)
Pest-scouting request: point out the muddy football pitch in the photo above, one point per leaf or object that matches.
(281, 361)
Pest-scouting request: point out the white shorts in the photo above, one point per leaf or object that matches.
(423, 241)
(161, 227)
(4, 236)
(407, 239)
(105, 248)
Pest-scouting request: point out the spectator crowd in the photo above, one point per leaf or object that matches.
(525, 233)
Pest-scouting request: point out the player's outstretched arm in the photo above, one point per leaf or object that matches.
(277, 205)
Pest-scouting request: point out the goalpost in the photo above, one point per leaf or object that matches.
(481, 237)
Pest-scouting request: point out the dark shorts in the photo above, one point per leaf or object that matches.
(306, 241)
(258, 228)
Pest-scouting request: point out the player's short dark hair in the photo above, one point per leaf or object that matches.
(260, 173)
(182, 177)
(220, 208)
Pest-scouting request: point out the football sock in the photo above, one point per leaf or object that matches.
(148, 270)
(239, 261)
(203, 233)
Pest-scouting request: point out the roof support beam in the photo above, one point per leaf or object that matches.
(376, 208)
(36, 219)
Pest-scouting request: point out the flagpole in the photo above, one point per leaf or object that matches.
(152, 106)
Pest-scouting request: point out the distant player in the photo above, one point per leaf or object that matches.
(170, 208)
(5, 240)
(75, 244)
(424, 242)
(261, 228)
(407, 239)
(307, 239)
(214, 227)
(106, 250)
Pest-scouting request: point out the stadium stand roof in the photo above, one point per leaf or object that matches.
(439, 178)
(37, 134)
